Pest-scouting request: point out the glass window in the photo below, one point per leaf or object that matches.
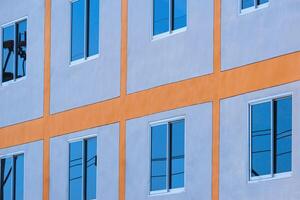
(168, 15)
(167, 156)
(85, 29)
(283, 135)
(83, 169)
(8, 53)
(12, 178)
(252, 3)
(261, 139)
(14, 43)
(271, 137)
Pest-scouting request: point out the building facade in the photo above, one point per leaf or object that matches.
(149, 99)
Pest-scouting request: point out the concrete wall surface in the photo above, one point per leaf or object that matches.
(154, 62)
(259, 35)
(234, 150)
(22, 100)
(198, 156)
(33, 168)
(91, 81)
(108, 162)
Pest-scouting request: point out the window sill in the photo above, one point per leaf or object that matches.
(168, 34)
(270, 178)
(253, 8)
(84, 60)
(11, 82)
(166, 192)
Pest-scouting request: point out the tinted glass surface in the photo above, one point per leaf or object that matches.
(179, 14)
(75, 171)
(283, 135)
(8, 54)
(91, 168)
(6, 178)
(259, 2)
(93, 28)
(247, 3)
(261, 139)
(77, 35)
(161, 16)
(21, 48)
(159, 157)
(19, 179)
(177, 154)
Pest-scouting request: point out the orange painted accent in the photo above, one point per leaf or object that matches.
(208, 88)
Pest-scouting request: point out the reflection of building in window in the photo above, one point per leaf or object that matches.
(12, 178)
(14, 51)
(252, 4)
(169, 15)
(83, 169)
(84, 29)
(271, 137)
(167, 156)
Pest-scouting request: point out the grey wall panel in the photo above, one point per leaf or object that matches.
(259, 35)
(170, 59)
(92, 81)
(234, 150)
(198, 156)
(108, 162)
(33, 168)
(23, 100)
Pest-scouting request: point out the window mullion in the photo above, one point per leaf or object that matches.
(170, 16)
(272, 138)
(15, 53)
(83, 169)
(85, 28)
(168, 157)
(13, 182)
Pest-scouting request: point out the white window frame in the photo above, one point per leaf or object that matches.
(85, 57)
(82, 139)
(253, 8)
(167, 190)
(272, 175)
(14, 22)
(170, 31)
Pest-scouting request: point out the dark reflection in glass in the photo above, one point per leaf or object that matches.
(159, 157)
(261, 139)
(161, 16)
(93, 27)
(177, 154)
(247, 3)
(78, 28)
(75, 171)
(21, 39)
(259, 2)
(283, 135)
(19, 177)
(179, 14)
(8, 53)
(91, 166)
(6, 178)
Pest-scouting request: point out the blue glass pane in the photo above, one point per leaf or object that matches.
(8, 55)
(19, 179)
(177, 154)
(21, 48)
(6, 178)
(93, 30)
(179, 9)
(91, 168)
(283, 135)
(161, 16)
(78, 13)
(159, 157)
(261, 139)
(75, 171)
(247, 3)
(259, 2)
